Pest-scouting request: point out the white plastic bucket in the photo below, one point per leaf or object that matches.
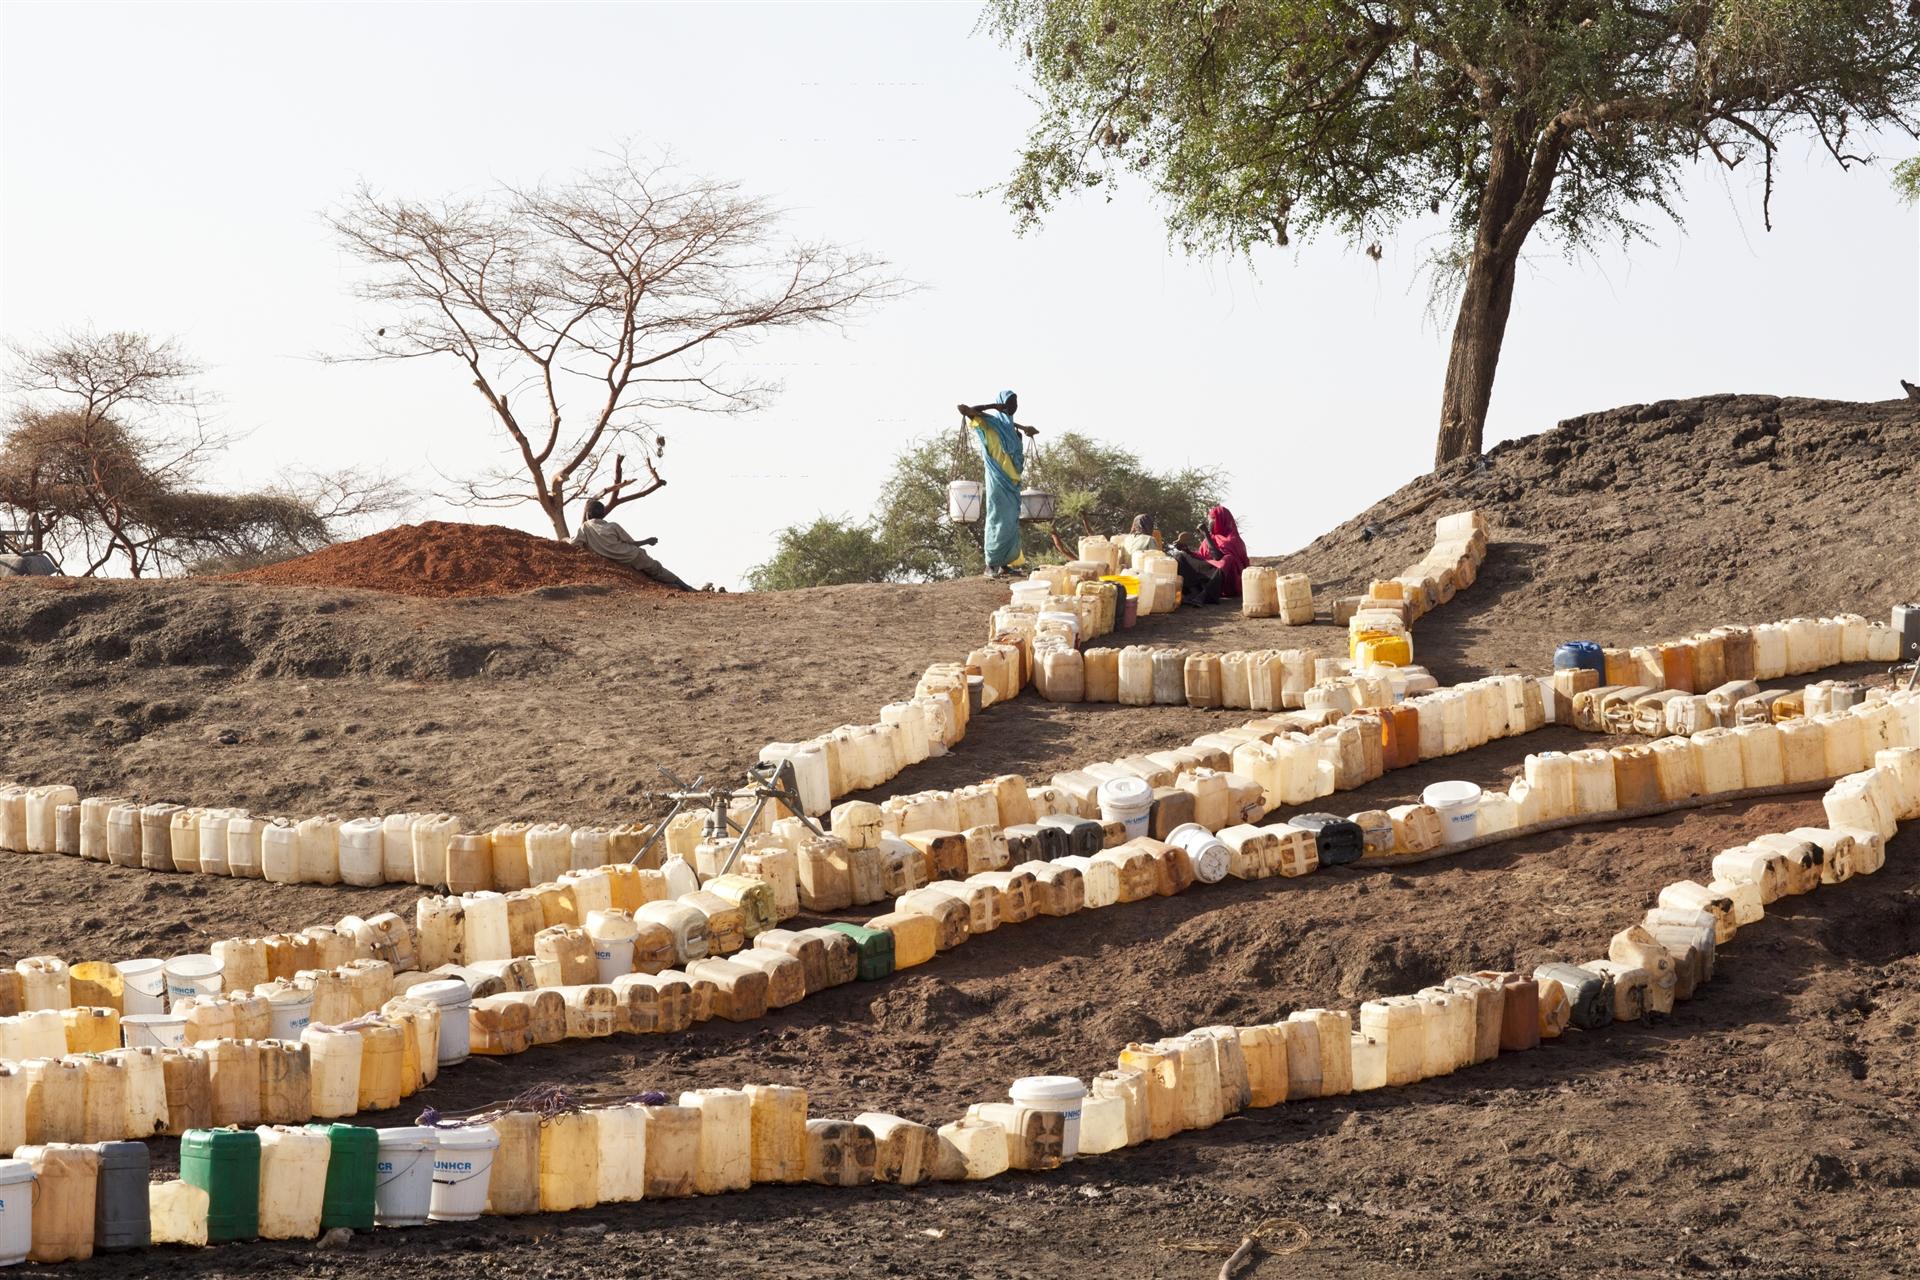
(1054, 1093)
(1036, 504)
(16, 1212)
(154, 1030)
(189, 977)
(462, 1170)
(963, 500)
(403, 1176)
(1128, 801)
(145, 986)
(1208, 852)
(1458, 806)
(290, 1012)
(454, 998)
(613, 956)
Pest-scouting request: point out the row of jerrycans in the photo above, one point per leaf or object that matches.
(286, 1182)
(402, 848)
(368, 1065)
(510, 1013)
(608, 911)
(63, 1202)
(1764, 652)
(138, 1093)
(278, 1182)
(1192, 1081)
(708, 1142)
(1556, 785)
(785, 965)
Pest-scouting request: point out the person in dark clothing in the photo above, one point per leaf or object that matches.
(1200, 581)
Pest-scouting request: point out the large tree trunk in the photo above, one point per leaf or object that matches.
(1485, 300)
(1478, 331)
(555, 508)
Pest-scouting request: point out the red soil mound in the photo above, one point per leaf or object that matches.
(439, 558)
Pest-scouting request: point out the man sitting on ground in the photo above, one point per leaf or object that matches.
(606, 539)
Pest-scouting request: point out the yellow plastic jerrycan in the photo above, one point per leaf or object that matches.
(1381, 649)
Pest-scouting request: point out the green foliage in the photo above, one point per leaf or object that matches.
(1906, 179)
(826, 553)
(1260, 119)
(1097, 487)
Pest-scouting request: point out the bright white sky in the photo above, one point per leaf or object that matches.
(164, 167)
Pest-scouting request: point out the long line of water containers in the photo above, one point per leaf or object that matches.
(1042, 639)
(956, 846)
(287, 1182)
(431, 849)
(578, 981)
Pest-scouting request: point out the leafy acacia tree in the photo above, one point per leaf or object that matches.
(1097, 487)
(104, 459)
(584, 312)
(1259, 120)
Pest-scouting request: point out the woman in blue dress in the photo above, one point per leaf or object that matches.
(1005, 453)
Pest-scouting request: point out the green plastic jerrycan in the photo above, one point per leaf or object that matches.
(351, 1174)
(225, 1163)
(875, 946)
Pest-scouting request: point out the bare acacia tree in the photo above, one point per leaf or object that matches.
(586, 311)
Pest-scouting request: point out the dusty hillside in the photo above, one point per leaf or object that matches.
(1695, 511)
(1762, 1131)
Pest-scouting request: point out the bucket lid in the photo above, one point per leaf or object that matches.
(1192, 837)
(203, 966)
(1047, 1089)
(1125, 793)
(408, 1135)
(1448, 794)
(12, 1171)
(445, 991)
(468, 1135)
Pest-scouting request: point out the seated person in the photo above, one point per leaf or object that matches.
(1139, 539)
(1224, 550)
(1200, 580)
(606, 539)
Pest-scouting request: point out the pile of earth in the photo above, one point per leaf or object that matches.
(440, 558)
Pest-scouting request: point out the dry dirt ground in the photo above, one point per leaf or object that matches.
(1765, 1130)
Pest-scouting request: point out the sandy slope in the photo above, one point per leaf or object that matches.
(1765, 1129)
